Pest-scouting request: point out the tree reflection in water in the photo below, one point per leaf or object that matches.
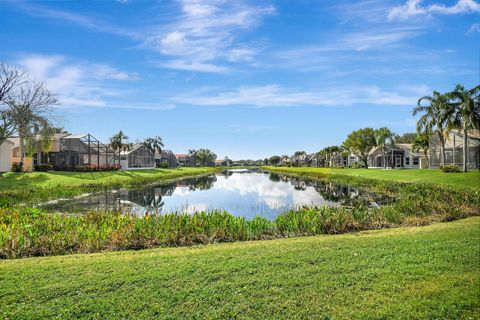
(246, 191)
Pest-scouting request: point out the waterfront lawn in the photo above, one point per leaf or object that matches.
(469, 179)
(430, 272)
(12, 180)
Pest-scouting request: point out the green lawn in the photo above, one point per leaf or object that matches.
(469, 179)
(430, 272)
(12, 180)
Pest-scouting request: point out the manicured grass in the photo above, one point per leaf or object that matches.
(12, 180)
(469, 179)
(31, 188)
(430, 272)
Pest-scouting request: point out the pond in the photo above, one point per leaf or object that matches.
(240, 192)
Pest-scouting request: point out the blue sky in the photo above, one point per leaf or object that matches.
(247, 79)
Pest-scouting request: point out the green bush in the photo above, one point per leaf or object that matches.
(17, 167)
(164, 164)
(93, 168)
(449, 168)
(355, 165)
(43, 167)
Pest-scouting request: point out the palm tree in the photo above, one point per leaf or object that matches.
(334, 151)
(436, 116)
(382, 137)
(422, 143)
(466, 114)
(119, 142)
(6, 126)
(285, 159)
(46, 143)
(29, 112)
(299, 154)
(154, 144)
(204, 156)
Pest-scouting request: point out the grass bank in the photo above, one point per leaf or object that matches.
(30, 188)
(429, 272)
(469, 179)
(30, 232)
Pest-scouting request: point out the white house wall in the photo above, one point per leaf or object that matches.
(5, 157)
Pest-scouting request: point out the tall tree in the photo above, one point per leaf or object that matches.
(154, 144)
(383, 137)
(335, 152)
(119, 142)
(46, 143)
(30, 112)
(6, 126)
(298, 157)
(406, 137)
(10, 80)
(274, 160)
(285, 160)
(422, 143)
(436, 115)
(466, 114)
(361, 142)
(205, 156)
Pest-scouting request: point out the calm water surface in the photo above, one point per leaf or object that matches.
(242, 193)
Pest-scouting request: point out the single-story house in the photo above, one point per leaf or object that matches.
(66, 152)
(185, 160)
(398, 155)
(6, 156)
(454, 149)
(223, 163)
(166, 156)
(138, 157)
(353, 159)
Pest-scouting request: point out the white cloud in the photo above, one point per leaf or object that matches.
(204, 36)
(462, 6)
(474, 28)
(377, 39)
(276, 96)
(193, 66)
(76, 83)
(413, 8)
(313, 57)
(84, 21)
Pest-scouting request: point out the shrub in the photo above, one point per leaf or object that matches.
(164, 164)
(17, 167)
(43, 167)
(93, 168)
(449, 168)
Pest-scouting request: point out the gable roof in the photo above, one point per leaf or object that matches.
(9, 142)
(135, 147)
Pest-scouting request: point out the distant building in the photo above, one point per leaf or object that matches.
(398, 155)
(223, 163)
(166, 156)
(185, 160)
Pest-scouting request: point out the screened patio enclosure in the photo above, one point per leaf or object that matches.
(139, 157)
(69, 151)
(454, 149)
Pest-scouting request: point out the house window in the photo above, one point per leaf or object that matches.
(123, 157)
(407, 161)
(415, 161)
